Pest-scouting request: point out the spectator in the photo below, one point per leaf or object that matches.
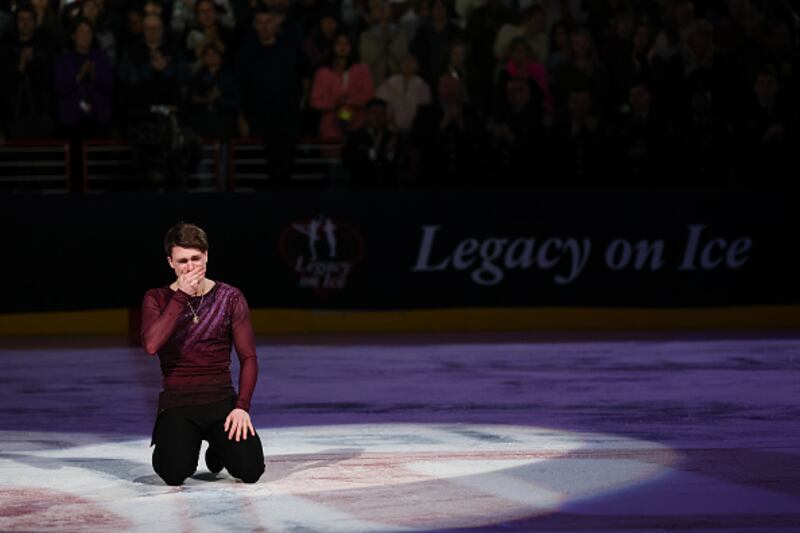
(91, 11)
(558, 50)
(48, 29)
(571, 12)
(306, 14)
(214, 105)
(582, 69)
(780, 52)
(483, 25)
(243, 11)
(27, 66)
(518, 133)
(208, 30)
(766, 129)
(643, 139)
(132, 30)
(701, 144)
(403, 94)
(340, 91)
(83, 83)
(618, 38)
(318, 46)
(318, 49)
(705, 68)
(373, 152)
(464, 8)
(579, 147)
(741, 35)
(629, 62)
(384, 44)
(432, 42)
(269, 70)
(457, 65)
(410, 14)
(156, 8)
(152, 70)
(183, 15)
(355, 17)
(83, 90)
(667, 44)
(603, 19)
(293, 14)
(450, 137)
(522, 65)
(532, 28)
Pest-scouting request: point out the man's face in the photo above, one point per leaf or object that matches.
(82, 37)
(90, 10)
(206, 14)
(439, 12)
(380, 11)
(26, 23)
(342, 47)
(135, 21)
(328, 26)
(152, 8)
(184, 260)
(152, 28)
(266, 25)
(409, 66)
(212, 59)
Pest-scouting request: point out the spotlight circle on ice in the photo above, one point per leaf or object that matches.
(375, 477)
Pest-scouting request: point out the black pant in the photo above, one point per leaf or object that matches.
(179, 432)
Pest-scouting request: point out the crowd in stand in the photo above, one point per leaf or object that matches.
(426, 92)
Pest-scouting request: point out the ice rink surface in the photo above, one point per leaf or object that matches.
(590, 433)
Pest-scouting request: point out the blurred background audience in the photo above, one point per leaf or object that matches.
(461, 92)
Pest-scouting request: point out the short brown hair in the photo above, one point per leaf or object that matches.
(186, 236)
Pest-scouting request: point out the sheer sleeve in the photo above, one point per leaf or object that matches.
(157, 326)
(244, 341)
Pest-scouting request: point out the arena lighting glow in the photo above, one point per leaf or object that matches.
(360, 477)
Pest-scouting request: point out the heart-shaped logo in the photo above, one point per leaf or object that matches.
(322, 252)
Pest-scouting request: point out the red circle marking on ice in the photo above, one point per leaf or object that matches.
(27, 509)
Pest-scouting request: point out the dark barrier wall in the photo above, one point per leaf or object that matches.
(412, 249)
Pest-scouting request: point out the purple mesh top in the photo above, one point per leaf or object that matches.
(196, 358)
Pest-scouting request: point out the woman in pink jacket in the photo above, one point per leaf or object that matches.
(340, 91)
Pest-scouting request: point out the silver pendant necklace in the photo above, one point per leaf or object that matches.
(195, 318)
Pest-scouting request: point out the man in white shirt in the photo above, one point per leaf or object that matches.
(405, 93)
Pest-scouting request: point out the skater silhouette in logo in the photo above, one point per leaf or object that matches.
(311, 230)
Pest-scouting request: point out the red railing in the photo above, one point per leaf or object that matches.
(314, 160)
(109, 164)
(35, 165)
